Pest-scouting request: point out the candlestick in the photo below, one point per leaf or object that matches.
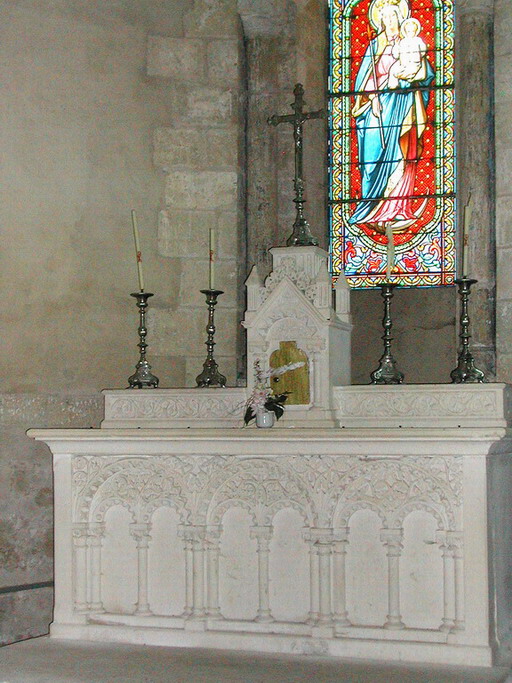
(465, 372)
(211, 257)
(387, 372)
(210, 376)
(138, 253)
(465, 237)
(143, 378)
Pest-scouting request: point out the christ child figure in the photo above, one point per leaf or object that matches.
(410, 54)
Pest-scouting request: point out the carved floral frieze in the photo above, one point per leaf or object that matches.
(326, 490)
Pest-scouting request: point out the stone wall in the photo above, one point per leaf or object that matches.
(503, 92)
(201, 152)
(79, 115)
(26, 506)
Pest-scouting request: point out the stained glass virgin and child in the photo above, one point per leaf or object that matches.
(392, 138)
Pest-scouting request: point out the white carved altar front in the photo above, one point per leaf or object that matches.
(368, 539)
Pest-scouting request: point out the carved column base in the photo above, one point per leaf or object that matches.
(215, 615)
(342, 620)
(447, 626)
(97, 607)
(264, 617)
(394, 624)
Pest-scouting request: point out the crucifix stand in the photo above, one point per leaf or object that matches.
(301, 235)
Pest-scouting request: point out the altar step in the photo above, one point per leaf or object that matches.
(50, 660)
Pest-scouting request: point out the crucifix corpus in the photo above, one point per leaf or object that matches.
(301, 235)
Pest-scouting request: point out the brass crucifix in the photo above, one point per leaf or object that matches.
(301, 235)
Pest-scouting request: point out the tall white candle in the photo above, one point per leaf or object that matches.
(211, 258)
(465, 237)
(390, 250)
(138, 254)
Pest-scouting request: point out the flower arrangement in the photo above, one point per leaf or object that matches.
(262, 396)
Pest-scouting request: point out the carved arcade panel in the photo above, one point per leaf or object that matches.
(214, 538)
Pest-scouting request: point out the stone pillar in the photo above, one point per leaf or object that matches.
(476, 167)
(263, 534)
(140, 532)
(503, 119)
(80, 567)
(212, 552)
(455, 541)
(448, 620)
(392, 539)
(271, 64)
(96, 533)
(339, 584)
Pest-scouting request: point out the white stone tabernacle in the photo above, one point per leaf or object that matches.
(372, 523)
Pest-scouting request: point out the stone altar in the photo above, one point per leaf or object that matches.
(393, 526)
(372, 522)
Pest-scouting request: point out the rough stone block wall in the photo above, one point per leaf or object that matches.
(503, 89)
(76, 137)
(26, 506)
(200, 152)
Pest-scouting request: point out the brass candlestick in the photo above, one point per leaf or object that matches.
(387, 372)
(210, 376)
(143, 378)
(465, 372)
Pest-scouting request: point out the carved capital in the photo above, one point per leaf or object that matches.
(340, 536)
(95, 534)
(455, 541)
(140, 532)
(192, 534)
(213, 533)
(319, 536)
(262, 534)
(392, 539)
(80, 534)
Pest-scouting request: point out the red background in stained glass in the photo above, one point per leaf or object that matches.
(425, 175)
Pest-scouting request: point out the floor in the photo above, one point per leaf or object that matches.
(45, 660)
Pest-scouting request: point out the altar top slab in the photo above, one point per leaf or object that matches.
(367, 444)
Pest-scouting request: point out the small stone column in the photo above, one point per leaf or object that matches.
(197, 535)
(339, 584)
(456, 544)
(189, 580)
(314, 578)
(212, 553)
(317, 378)
(392, 539)
(263, 534)
(448, 620)
(324, 544)
(140, 532)
(95, 535)
(80, 567)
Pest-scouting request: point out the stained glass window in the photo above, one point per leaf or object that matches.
(392, 147)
